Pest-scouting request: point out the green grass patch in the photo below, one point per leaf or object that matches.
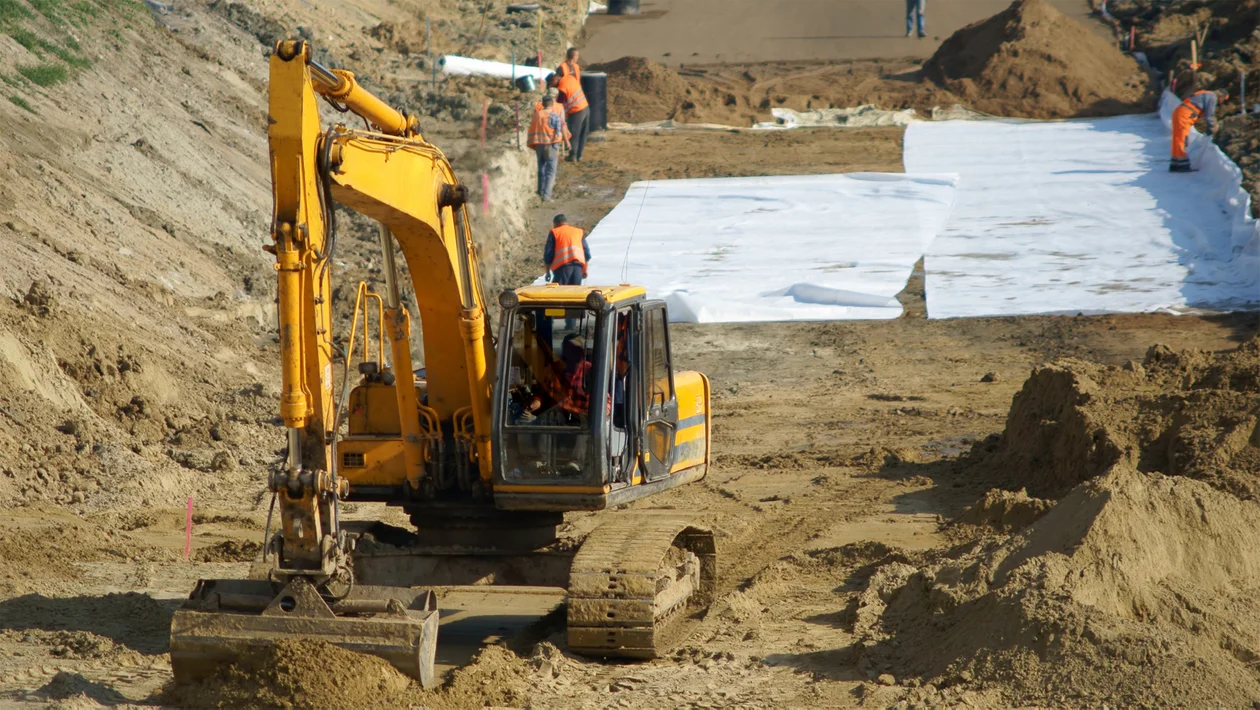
(83, 7)
(11, 11)
(48, 8)
(46, 74)
(67, 56)
(12, 80)
(19, 101)
(25, 37)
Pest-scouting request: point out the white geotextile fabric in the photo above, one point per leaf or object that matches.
(1083, 216)
(807, 247)
(455, 65)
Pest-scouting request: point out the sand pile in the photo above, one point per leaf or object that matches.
(1192, 414)
(1133, 589)
(1032, 61)
(641, 90)
(1137, 586)
(302, 674)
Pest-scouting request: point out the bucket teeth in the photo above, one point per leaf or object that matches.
(225, 618)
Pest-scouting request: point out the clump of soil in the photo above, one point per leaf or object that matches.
(641, 90)
(1030, 60)
(1133, 589)
(294, 673)
(1194, 414)
(229, 551)
(1005, 511)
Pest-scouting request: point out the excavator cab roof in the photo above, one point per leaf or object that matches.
(557, 294)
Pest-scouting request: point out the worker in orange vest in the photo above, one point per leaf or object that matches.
(570, 65)
(576, 108)
(566, 253)
(547, 131)
(1194, 105)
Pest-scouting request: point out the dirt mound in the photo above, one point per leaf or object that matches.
(1005, 510)
(1132, 589)
(641, 90)
(1191, 413)
(1030, 60)
(301, 674)
(230, 551)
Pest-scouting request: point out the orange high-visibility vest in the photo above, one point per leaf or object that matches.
(540, 133)
(568, 67)
(568, 246)
(574, 99)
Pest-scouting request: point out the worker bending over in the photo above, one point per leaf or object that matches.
(570, 65)
(566, 253)
(547, 131)
(576, 108)
(1194, 104)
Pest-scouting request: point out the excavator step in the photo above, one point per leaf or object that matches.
(629, 581)
(224, 619)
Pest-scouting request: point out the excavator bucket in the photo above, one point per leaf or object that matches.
(223, 619)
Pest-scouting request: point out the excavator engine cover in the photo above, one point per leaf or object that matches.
(224, 619)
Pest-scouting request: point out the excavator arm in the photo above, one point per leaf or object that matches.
(394, 176)
(387, 172)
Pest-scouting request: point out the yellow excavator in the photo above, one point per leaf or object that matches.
(573, 407)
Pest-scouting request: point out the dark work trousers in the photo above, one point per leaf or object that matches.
(579, 126)
(568, 275)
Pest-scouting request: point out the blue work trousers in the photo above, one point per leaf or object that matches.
(913, 8)
(548, 158)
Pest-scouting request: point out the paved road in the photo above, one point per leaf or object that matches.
(677, 32)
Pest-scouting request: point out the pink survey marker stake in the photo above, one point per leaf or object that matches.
(188, 530)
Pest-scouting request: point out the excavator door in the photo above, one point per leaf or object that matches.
(657, 387)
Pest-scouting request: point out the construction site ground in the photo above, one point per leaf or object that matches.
(841, 450)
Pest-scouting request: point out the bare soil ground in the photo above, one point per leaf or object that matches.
(139, 368)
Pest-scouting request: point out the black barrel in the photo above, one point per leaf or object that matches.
(623, 7)
(595, 86)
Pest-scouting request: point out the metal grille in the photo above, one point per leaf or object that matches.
(352, 459)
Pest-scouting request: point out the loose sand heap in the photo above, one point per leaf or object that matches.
(1138, 586)
(1191, 414)
(641, 90)
(295, 673)
(1030, 60)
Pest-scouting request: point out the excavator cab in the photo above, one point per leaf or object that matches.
(587, 411)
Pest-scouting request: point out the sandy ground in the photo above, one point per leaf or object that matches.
(826, 435)
(144, 371)
(677, 32)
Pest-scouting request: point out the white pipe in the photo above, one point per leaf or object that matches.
(454, 65)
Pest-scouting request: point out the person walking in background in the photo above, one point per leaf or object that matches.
(916, 8)
(576, 108)
(566, 253)
(1195, 104)
(547, 131)
(570, 65)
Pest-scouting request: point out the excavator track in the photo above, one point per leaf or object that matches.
(631, 579)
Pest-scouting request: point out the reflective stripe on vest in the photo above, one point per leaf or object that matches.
(568, 246)
(539, 132)
(574, 99)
